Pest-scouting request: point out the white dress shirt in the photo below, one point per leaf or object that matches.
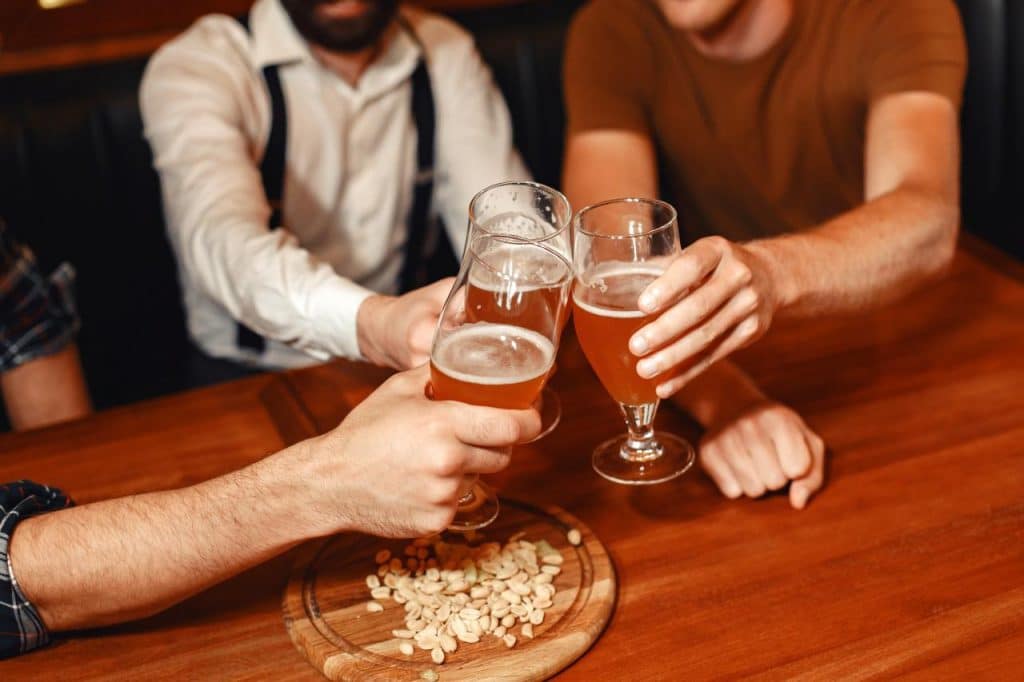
(350, 168)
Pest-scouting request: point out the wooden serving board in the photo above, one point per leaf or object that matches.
(325, 608)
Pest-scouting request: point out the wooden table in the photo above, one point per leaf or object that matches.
(910, 562)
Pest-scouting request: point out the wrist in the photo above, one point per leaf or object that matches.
(771, 256)
(371, 317)
(293, 494)
(719, 395)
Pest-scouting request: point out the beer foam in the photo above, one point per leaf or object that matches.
(506, 267)
(494, 354)
(617, 282)
(606, 312)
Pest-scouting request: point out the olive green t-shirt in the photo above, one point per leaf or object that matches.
(770, 145)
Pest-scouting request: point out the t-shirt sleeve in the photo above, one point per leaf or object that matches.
(913, 45)
(608, 70)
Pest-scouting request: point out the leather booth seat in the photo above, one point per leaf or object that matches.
(77, 184)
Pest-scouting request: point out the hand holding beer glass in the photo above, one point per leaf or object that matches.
(497, 338)
(621, 246)
(532, 212)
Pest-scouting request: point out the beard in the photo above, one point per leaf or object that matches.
(341, 34)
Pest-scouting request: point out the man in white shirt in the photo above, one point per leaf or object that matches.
(324, 282)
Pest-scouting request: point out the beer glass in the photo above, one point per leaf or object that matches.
(536, 213)
(621, 246)
(497, 337)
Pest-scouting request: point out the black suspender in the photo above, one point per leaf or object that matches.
(272, 173)
(428, 251)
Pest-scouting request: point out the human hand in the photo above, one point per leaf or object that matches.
(763, 448)
(394, 465)
(396, 331)
(714, 298)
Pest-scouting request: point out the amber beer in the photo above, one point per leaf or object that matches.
(496, 365)
(606, 317)
(490, 297)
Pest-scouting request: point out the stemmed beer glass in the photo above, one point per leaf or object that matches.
(535, 213)
(620, 247)
(497, 337)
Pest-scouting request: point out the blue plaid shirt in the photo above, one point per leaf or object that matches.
(21, 629)
(37, 313)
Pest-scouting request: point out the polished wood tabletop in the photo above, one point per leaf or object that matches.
(909, 562)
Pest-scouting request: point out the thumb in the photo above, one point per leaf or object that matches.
(801, 489)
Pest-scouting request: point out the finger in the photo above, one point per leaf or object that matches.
(683, 274)
(764, 456)
(719, 471)
(491, 427)
(702, 337)
(726, 287)
(740, 336)
(801, 489)
(486, 461)
(742, 466)
(794, 455)
(438, 292)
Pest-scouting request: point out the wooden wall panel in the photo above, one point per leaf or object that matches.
(100, 30)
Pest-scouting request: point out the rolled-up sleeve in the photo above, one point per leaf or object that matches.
(38, 316)
(21, 628)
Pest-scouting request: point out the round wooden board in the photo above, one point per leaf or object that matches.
(325, 608)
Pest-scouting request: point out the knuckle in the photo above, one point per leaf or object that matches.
(717, 243)
(447, 462)
(747, 300)
(436, 520)
(741, 274)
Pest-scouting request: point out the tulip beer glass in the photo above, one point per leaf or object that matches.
(621, 246)
(497, 337)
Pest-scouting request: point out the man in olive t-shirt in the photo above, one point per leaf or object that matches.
(811, 147)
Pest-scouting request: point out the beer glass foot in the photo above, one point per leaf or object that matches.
(614, 461)
(550, 408)
(478, 509)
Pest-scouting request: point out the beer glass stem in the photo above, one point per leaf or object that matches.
(466, 494)
(640, 445)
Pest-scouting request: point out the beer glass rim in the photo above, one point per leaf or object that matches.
(672, 217)
(522, 241)
(555, 194)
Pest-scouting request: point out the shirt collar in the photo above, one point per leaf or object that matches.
(274, 38)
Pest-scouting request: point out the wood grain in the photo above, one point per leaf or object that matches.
(324, 609)
(909, 563)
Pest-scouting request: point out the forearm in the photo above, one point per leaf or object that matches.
(717, 394)
(127, 558)
(46, 390)
(873, 254)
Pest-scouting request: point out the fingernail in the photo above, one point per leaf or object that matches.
(638, 344)
(800, 498)
(649, 299)
(647, 369)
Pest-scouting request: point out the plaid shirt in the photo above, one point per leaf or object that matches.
(37, 314)
(21, 629)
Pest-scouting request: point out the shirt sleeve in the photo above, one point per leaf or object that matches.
(913, 45)
(21, 628)
(608, 70)
(192, 100)
(38, 316)
(475, 146)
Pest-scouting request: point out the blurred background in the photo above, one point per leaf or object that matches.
(77, 185)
